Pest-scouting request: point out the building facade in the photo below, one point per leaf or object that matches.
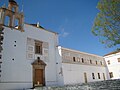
(30, 56)
(81, 67)
(113, 64)
(28, 53)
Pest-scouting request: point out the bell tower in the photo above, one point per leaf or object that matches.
(11, 17)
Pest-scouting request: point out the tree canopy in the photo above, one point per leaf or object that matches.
(107, 22)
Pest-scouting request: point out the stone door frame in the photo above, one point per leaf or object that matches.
(38, 64)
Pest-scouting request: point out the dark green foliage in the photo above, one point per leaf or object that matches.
(107, 22)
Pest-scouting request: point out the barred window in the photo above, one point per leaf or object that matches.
(38, 48)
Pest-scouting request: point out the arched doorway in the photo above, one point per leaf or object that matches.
(38, 73)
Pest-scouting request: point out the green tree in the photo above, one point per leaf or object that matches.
(107, 22)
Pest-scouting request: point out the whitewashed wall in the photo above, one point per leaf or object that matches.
(59, 66)
(73, 70)
(16, 67)
(74, 73)
(114, 65)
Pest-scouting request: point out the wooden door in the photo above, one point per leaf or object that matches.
(39, 76)
(85, 77)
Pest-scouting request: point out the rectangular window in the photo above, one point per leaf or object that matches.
(118, 59)
(101, 62)
(96, 62)
(74, 59)
(38, 48)
(93, 76)
(111, 74)
(108, 62)
(90, 61)
(82, 60)
(0, 56)
(98, 75)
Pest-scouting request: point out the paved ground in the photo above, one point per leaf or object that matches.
(102, 85)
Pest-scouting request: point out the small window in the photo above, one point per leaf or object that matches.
(82, 60)
(111, 74)
(96, 62)
(108, 62)
(101, 62)
(74, 59)
(38, 48)
(98, 75)
(93, 76)
(118, 59)
(90, 61)
(0, 56)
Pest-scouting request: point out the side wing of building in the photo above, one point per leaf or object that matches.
(113, 64)
(79, 67)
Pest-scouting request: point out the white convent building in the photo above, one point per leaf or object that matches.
(31, 56)
(113, 63)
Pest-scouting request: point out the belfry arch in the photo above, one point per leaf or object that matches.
(13, 14)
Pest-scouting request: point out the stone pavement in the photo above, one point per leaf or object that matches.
(101, 85)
